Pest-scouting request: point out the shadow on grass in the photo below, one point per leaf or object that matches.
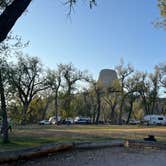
(17, 143)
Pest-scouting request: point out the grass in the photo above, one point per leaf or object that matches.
(34, 135)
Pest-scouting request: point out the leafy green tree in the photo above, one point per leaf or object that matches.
(87, 106)
(97, 91)
(26, 81)
(123, 73)
(7, 47)
(143, 88)
(162, 6)
(154, 89)
(53, 81)
(112, 99)
(46, 98)
(163, 75)
(132, 94)
(38, 108)
(162, 21)
(90, 101)
(148, 88)
(71, 76)
(81, 105)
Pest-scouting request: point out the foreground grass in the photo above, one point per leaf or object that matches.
(34, 135)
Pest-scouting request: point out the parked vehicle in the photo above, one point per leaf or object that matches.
(134, 122)
(44, 122)
(53, 120)
(0, 122)
(67, 121)
(82, 120)
(154, 120)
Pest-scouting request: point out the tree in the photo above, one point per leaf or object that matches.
(86, 103)
(162, 6)
(112, 98)
(7, 47)
(46, 98)
(97, 91)
(4, 129)
(148, 88)
(90, 100)
(71, 76)
(98, 99)
(53, 81)
(131, 87)
(163, 75)
(26, 81)
(81, 104)
(13, 9)
(38, 107)
(123, 72)
(154, 90)
(143, 88)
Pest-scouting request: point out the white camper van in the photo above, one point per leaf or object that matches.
(155, 119)
(52, 119)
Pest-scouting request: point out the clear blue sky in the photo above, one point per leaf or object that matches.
(94, 39)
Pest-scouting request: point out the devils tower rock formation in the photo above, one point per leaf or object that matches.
(106, 77)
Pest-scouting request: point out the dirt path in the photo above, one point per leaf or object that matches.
(102, 157)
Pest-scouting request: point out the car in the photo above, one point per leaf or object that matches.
(44, 122)
(67, 121)
(134, 122)
(82, 120)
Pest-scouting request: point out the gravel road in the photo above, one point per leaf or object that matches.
(101, 157)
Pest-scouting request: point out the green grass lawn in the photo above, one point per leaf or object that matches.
(34, 135)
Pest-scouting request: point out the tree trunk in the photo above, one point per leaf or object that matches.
(113, 121)
(10, 15)
(98, 108)
(56, 107)
(86, 105)
(121, 104)
(45, 108)
(67, 104)
(145, 104)
(112, 110)
(131, 110)
(24, 113)
(153, 105)
(121, 111)
(4, 113)
(94, 114)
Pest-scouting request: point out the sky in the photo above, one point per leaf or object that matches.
(94, 39)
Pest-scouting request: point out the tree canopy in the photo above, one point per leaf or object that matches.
(162, 6)
(161, 22)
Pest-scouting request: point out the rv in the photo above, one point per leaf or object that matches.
(154, 120)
